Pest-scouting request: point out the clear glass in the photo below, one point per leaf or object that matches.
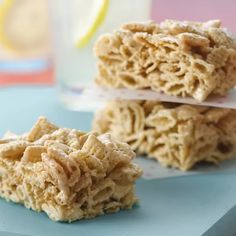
(75, 68)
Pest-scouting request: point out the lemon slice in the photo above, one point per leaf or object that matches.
(23, 24)
(94, 19)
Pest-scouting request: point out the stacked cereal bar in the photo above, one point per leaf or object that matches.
(179, 58)
(177, 135)
(188, 59)
(66, 173)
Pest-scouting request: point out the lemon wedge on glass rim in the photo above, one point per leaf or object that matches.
(23, 24)
(91, 21)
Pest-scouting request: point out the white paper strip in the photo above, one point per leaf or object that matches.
(101, 94)
(153, 170)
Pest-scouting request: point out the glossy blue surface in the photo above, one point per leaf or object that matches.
(174, 206)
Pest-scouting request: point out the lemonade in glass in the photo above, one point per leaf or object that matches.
(76, 26)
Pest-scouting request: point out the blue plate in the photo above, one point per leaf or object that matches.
(174, 206)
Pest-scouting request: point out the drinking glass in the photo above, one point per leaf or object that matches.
(75, 67)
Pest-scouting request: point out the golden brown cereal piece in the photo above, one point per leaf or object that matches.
(174, 27)
(33, 153)
(41, 128)
(193, 40)
(142, 27)
(176, 135)
(187, 59)
(220, 37)
(67, 173)
(218, 56)
(13, 149)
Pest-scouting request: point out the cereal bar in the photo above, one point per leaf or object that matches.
(67, 173)
(187, 59)
(176, 135)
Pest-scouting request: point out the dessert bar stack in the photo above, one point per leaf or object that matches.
(186, 59)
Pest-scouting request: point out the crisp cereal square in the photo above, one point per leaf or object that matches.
(66, 173)
(180, 58)
(177, 135)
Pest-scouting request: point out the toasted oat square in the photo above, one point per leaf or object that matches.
(67, 173)
(176, 135)
(179, 58)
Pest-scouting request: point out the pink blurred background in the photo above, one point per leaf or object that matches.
(199, 10)
(196, 10)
